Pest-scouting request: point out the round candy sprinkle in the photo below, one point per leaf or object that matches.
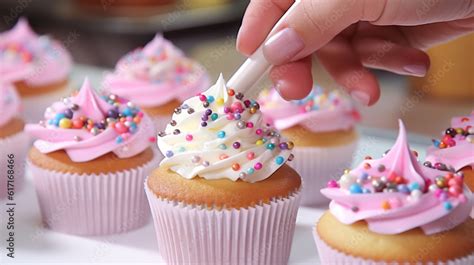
(223, 156)
(386, 205)
(332, 184)
(270, 146)
(219, 101)
(189, 137)
(221, 134)
(195, 159)
(448, 206)
(250, 171)
(258, 166)
(250, 155)
(242, 175)
(222, 147)
(355, 189)
(205, 163)
(236, 145)
(241, 125)
(169, 153)
(279, 160)
(259, 131)
(235, 166)
(65, 123)
(214, 116)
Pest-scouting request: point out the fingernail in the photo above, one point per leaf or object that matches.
(417, 70)
(361, 97)
(283, 46)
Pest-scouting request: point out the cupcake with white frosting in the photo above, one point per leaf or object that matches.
(223, 193)
(322, 128)
(157, 77)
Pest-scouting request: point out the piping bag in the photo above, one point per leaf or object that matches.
(246, 78)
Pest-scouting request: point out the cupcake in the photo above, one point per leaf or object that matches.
(89, 163)
(393, 210)
(157, 77)
(322, 127)
(13, 142)
(455, 151)
(223, 194)
(41, 67)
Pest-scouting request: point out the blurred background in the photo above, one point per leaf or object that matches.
(99, 32)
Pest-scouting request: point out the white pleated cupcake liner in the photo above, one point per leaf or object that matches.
(35, 106)
(331, 256)
(17, 145)
(93, 204)
(318, 165)
(190, 234)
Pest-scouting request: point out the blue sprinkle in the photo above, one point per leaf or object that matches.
(364, 176)
(414, 186)
(222, 146)
(436, 142)
(210, 99)
(221, 134)
(403, 189)
(181, 149)
(169, 153)
(59, 116)
(250, 171)
(279, 160)
(448, 206)
(355, 189)
(270, 146)
(119, 139)
(127, 112)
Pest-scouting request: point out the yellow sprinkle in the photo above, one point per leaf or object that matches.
(65, 123)
(220, 101)
(259, 142)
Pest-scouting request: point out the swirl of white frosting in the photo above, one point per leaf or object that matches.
(219, 134)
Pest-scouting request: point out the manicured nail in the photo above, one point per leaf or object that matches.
(361, 97)
(416, 70)
(283, 46)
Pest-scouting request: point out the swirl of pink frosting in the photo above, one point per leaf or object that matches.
(10, 103)
(320, 111)
(394, 194)
(88, 126)
(456, 149)
(156, 74)
(38, 60)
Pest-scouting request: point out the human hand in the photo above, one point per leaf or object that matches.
(349, 36)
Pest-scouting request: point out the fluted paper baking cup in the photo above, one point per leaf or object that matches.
(189, 234)
(34, 106)
(92, 204)
(17, 145)
(331, 256)
(317, 166)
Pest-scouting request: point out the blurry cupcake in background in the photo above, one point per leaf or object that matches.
(38, 65)
(13, 141)
(322, 130)
(455, 151)
(223, 194)
(157, 77)
(89, 164)
(394, 210)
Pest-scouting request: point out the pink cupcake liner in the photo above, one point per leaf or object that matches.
(34, 106)
(331, 256)
(92, 204)
(317, 166)
(17, 145)
(190, 234)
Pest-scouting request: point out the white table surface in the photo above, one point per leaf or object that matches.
(36, 245)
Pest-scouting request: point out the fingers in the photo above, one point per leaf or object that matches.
(293, 80)
(425, 36)
(259, 19)
(386, 55)
(343, 64)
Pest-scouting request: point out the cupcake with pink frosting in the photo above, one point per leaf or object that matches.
(322, 128)
(39, 66)
(13, 142)
(89, 162)
(394, 210)
(157, 77)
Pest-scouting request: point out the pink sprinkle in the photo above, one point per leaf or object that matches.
(259, 131)
(438, 192)
(189, 137)
(395, 203)
(230, 116)
(250, 155)
(121, 128)
(125, 136)
(332, 184)
(249, 124)
(258, 166)
(152, 139)
(202, 97)
(140, 114)
(236, 107)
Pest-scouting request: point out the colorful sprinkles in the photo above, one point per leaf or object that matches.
(123, 117)
(453, 135)
(234, 112)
